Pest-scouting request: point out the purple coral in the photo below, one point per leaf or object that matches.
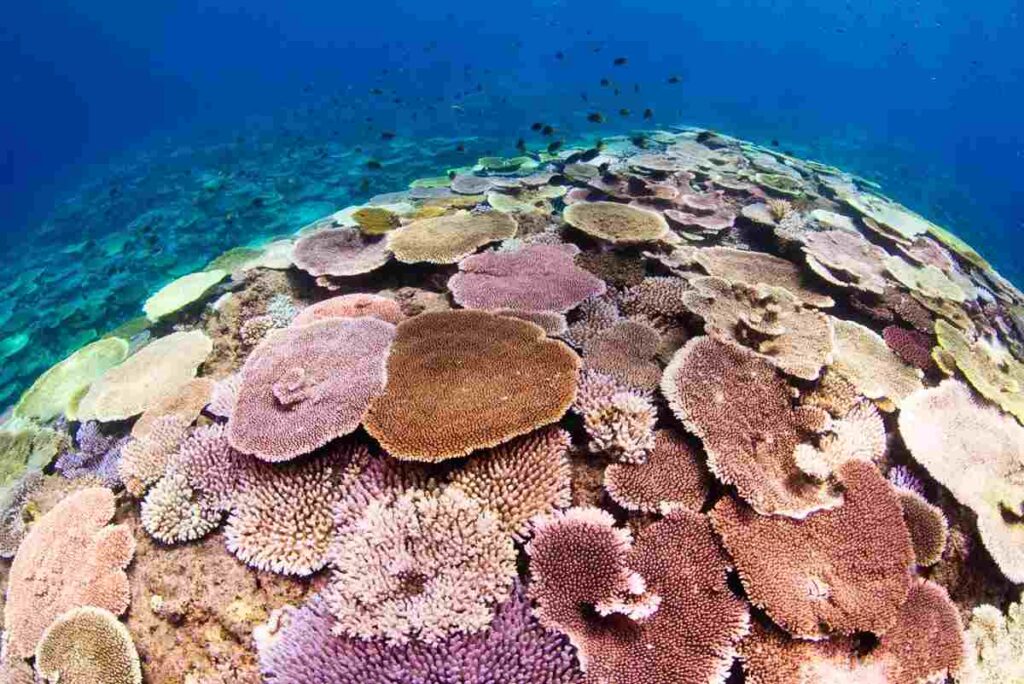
(902, 478)
(515, 649)
(97, 456)
(533, 278)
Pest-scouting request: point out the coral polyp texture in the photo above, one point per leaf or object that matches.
(671, 409)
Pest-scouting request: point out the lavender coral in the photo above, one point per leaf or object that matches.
(98, 455)
(13, 507)
(308, 385)
(339, 252)
(69, 558)
(514, 649)
(423, 566)
(532, 278)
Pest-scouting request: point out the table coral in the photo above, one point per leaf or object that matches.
(990, 369)
(626, 352)
(87, 645)
(447, 239)
(616, 223)
(340, 252)
(71, 557)
(672, 477)
(351, 306)
(307, 385)
(464, 380)
(757, 268)
(863, 358)
(181, 292)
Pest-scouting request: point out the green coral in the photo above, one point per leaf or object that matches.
(376, 220)
(927, 280)
(434, 182)
(989, 367)
(24, 448)
(57, 390)
(233, 259)
(181, 292)
(777, 184)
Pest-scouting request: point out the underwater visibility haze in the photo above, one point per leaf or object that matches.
(512, 343)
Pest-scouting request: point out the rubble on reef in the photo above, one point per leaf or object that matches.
(674, 409)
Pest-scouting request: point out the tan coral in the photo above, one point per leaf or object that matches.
(758, 268)
(447, 239)
(144, 460)
(863, 358)
(87, 645)
(860, 435)
(625, 351)
(187, 404)
(929, 529)
(672, 477)
(997, 642)
(616, 223)
(846, 259)
(465, 380)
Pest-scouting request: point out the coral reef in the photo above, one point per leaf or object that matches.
(87, 645)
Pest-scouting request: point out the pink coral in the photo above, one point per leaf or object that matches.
(912, 346)
(69, 558)
(308, 385)
(340, 252)
(351, 306)
(672, 477)
(532, 278)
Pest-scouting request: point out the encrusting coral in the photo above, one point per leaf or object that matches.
(842, 570)
(69, 558)
(464, 380)
(423, 566)
(307, 385)
(87, 645)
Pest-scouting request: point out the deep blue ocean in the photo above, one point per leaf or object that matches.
(139, 140)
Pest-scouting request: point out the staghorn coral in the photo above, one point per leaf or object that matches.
(658, 298)
(863, 359)
(927, 524)
(619, 422)
(465, 380)
(56, 391)
(423, 566)
(950, 433)
(209, 464)
(98, 455)
(514, 649)
(339, 252)
(174, 512)
(997, 644)
(308, 385)
(842, 570)
(520, 479)
(846, 259)
(741, 409)
(69, 558)
(672, 477)
(281, 517)
(663, 610)
(616, 223)
(532, 278)
(771, 321)
(447, 239)
(181, 292)
(13, 510)
(87, 645)
(351, 306)
(158, 371)
(625, 351)
(757, 268)
(143, 461)
(990, 368)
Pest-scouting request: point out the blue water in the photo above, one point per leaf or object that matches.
(141, 139)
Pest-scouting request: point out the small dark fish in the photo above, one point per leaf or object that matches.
(623, 112)
(605, 83)
(639, 140)
(547, 130)
(583, 96)
(308, 88)
(376, 91)
(559, 55)
(775, 143)
(364, 186)
(387, 135)
(617, 91)
(595, 117)
(374, 165)
(521, 145)
(554, 147)
(620, 61)
(536, 126)
(460, 148)
(674, 79)
(636, 87)
(648, 113)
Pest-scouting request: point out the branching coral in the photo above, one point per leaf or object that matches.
(340, 252)
(532, 278)
(209, 464)
(447, 239)
(308, 385)
(351, 306)
(13, 506)
(520, 479)
(929, 530)
(842, 570)
(616, 223)
(619, 421)
(771, 321)
(651, 612)
(156, 372)
(224, 396)
(950, 433)
(69, 558)
(672, 477)
(174, 512)
(741, 408)
(514, 649)
(98, 455)
(87, 645)
(423, 566)
(465, 380)
(143, 461)
(859, 435)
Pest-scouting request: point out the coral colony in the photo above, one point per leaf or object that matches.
(685, 412)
